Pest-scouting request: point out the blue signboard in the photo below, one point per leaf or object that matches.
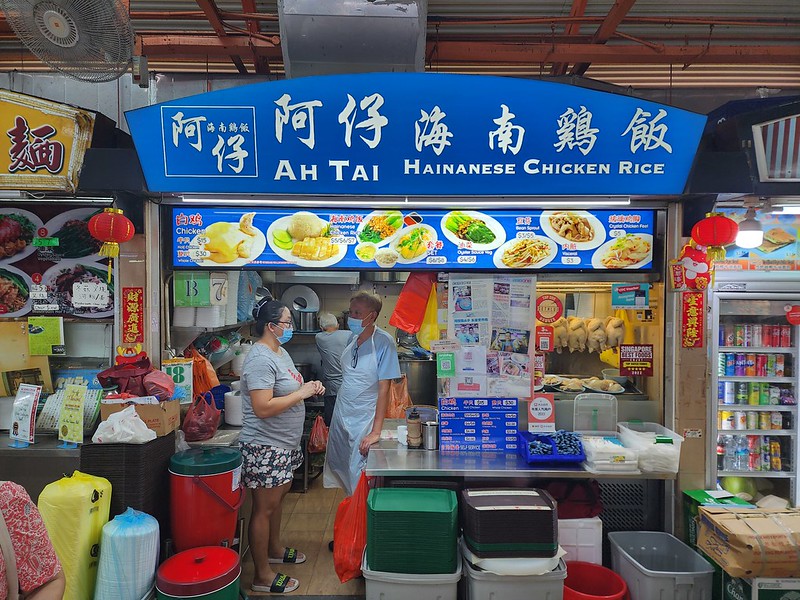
(550, 240)
(415, 134)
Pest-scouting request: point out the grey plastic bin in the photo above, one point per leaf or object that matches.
(658, 566)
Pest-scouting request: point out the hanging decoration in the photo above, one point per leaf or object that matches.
(696, 267)
(715, 232)
(112, 228)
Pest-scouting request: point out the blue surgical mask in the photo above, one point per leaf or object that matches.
(285, 336)
(355, 325)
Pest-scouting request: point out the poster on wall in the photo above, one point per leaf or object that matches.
(780, 250)
(550, 240)
(49, 264)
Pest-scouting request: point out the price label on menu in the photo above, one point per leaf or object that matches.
(90, 295)
(343, 240)
(38, 292)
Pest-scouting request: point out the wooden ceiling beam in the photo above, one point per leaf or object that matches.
(606, 30)
(209, 8)
(572, 28)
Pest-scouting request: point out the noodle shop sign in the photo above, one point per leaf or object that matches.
(211, 238)
(426, 134)
(43, 143)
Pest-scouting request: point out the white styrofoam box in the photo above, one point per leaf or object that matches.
(399, 586)
(482, 585)
(184, 316)
(582, 539)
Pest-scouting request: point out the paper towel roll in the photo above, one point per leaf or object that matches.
(233, 298)
(233, 409)
(183, 316)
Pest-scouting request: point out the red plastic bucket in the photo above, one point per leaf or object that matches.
(206, 494)
(587, 581)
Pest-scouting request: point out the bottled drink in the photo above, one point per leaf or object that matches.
(742, 459)
(730, 452)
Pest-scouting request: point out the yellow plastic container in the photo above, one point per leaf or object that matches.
(74, 510)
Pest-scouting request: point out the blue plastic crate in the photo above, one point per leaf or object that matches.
(526, 437)
(473, 404)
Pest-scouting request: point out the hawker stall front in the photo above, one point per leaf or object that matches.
(516, 232)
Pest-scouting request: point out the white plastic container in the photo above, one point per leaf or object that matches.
(659, 565)
(399, 586)
(595, 418)
(659, 448)
(482, 585)
(582, 539)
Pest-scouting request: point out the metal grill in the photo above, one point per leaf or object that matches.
(631, 506)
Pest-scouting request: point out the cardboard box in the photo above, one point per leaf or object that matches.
(760, 588)
(694, 499)
(751, 542)
(163, 418)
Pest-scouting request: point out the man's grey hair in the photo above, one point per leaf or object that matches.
(327, 320)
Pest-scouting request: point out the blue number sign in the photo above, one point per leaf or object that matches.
(550, 240)
(415, 134)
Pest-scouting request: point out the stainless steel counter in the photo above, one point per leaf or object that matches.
(391, 459)
(38, 464)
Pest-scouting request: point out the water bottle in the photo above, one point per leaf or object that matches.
(730, 452)
(742, 461)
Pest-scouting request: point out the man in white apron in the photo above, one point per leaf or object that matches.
(369, 363)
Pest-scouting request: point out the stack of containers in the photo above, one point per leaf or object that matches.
(412, 548)
(478, 424)
(659, 448)
(595, 418)
(511, 545)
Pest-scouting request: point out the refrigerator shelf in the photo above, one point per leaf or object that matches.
(767, 432)
(758, 408)
(760, 474)
(756, 379)
(759, 349)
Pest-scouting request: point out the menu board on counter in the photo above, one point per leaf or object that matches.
(550, 240)
(49, 264)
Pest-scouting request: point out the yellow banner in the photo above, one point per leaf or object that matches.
(43, 143)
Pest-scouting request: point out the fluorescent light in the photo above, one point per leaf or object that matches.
(750, 235)
(418, 203)
(787, 210)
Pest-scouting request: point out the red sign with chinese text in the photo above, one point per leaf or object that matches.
(132, 315)
(693, 311)
(636, 359)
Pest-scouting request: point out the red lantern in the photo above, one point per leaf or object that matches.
(715, 232)
(112, 228)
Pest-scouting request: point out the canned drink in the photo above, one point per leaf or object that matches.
(747, 335)
(764, 420)
(761, 365)
(780, 365)
(758, 332)
(753, 393)
(740, 393)
(786, 336)
(721, 335)
(775, 455)
(730, 364)
(776, 420)
(763, 396)
(730, 335)
(750, 365)
(721, 392)
(752, 420)
(738, 335)
(739, 365)
(726, 419)
(721, 360)
(754, 446)
(740, 420)
(729, 393)
(766, 336)
(766, 458)
(774, 395)
(776, 336)
(770, 365)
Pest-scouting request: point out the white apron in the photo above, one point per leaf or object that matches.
(353, 417)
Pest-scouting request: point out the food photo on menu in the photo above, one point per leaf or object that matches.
(510, 340)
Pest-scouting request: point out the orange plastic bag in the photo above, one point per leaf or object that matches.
(399, 399)
(204, 377)
(318, 441)
(350, 532)
(409, 311)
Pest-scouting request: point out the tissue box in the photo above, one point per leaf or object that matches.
(161, 417)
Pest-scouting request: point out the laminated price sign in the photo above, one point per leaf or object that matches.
(70, 419)
(636, 359)
(542, 413)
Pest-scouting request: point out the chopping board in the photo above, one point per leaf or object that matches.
(16, 357)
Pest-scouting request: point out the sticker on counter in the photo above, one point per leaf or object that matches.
(236, 479)
(445, 346)
(542, 413)
(636, 360)
(549, 308)
(445, 364)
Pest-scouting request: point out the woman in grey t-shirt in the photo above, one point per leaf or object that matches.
(273, 413)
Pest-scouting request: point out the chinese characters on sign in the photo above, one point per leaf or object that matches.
(32, 149)
(636, 360)
(132, 315)
(692, 319)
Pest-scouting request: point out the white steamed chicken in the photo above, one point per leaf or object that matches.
(576, 334)
(597, 337)
(615, 331)
(560, 338)
(230, 241)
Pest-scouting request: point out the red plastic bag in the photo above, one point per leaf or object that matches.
(318, 441)
(576, 499)
(350, 532)
(409, 312)
(128, 378)
(202, 420)
(159, 384)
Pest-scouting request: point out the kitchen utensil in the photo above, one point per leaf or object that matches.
(613, 374)
(421, 377)
(307, 320)
(301, 297)
(430, 435)
(414, 425)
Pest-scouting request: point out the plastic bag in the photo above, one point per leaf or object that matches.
(159, 384)
(412, 302)
(123, 427)
(399, 399)
(204, 377)
(127, 377)
(318, 441)
(350, 532)
(429, 331)
(202, 420)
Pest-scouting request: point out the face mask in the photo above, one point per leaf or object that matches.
(355, 325)
(285, 336)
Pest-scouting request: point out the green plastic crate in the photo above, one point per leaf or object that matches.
(412, 531)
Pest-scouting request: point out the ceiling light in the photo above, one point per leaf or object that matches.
(750, 235)
(787, 210)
